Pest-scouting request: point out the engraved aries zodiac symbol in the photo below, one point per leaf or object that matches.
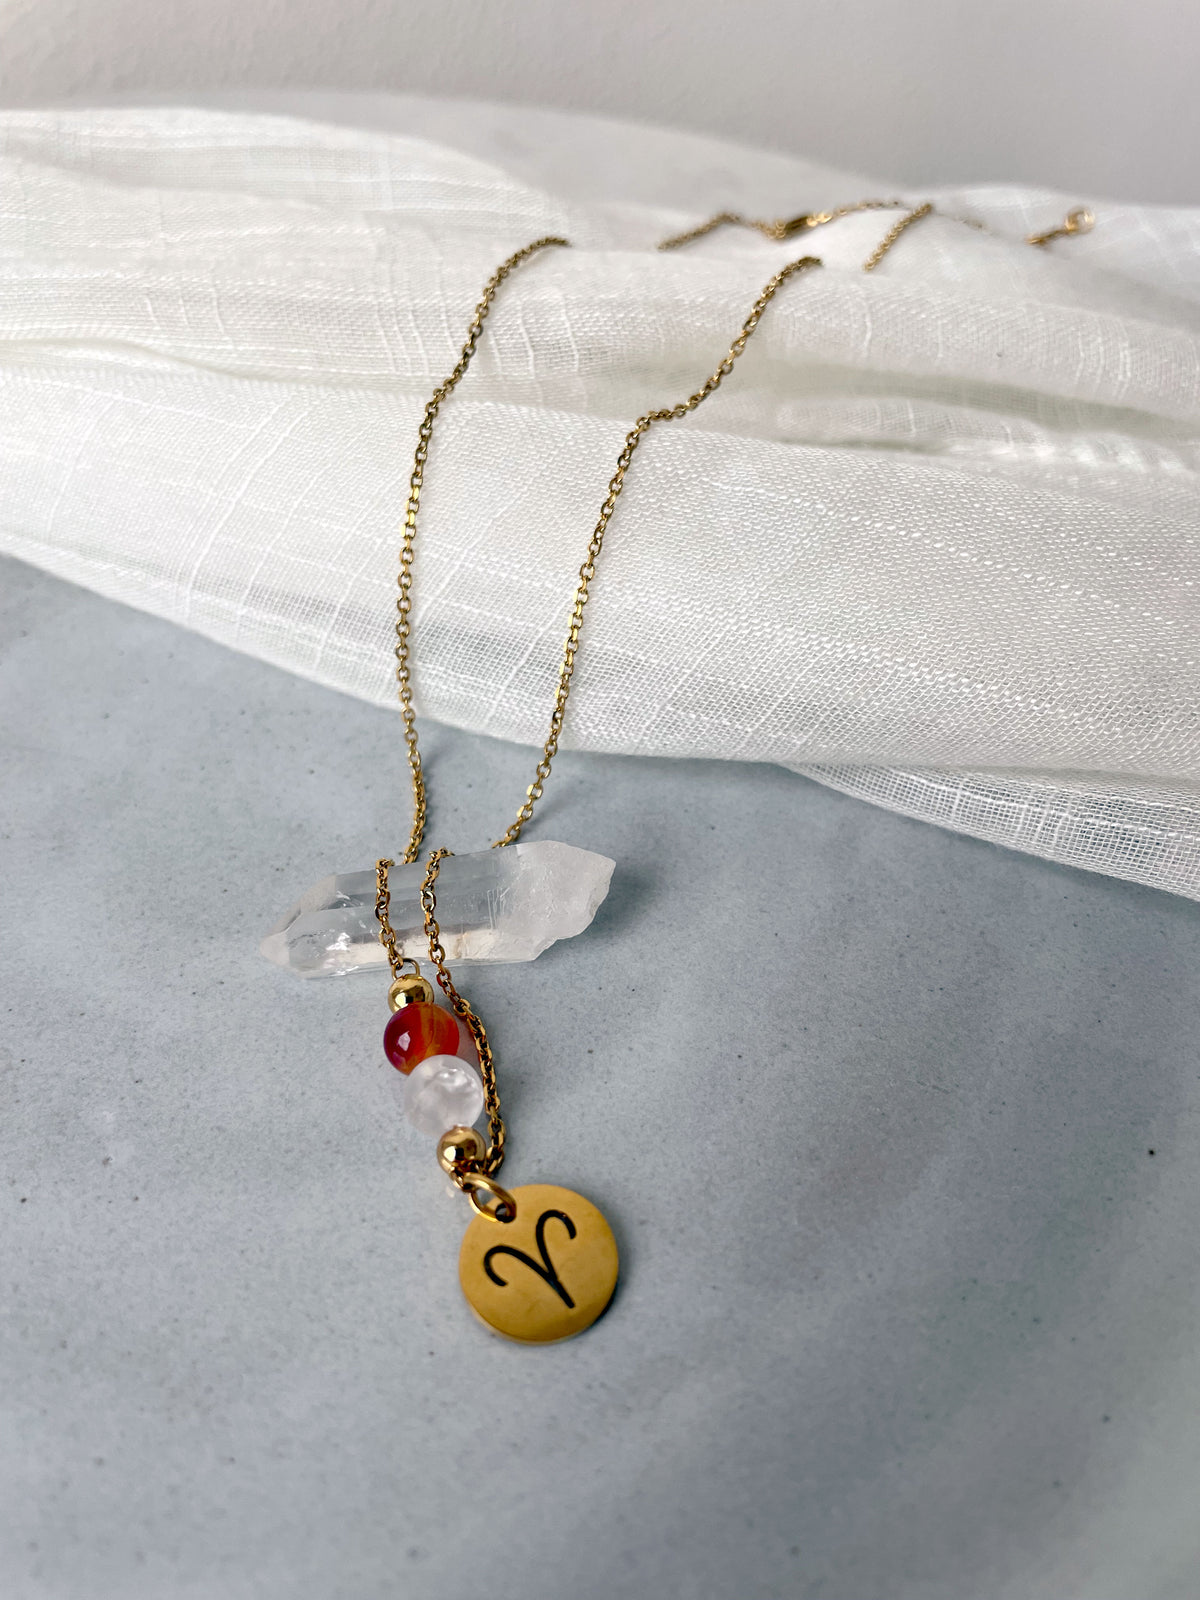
(545, 1267)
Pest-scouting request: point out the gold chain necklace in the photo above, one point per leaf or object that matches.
(535, 1300)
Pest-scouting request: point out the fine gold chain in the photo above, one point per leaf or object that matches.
(1079, 220)
(781, 227)
(616, 483)
(893, 233)
(495, 1153)
(404, 580)
(595, 545)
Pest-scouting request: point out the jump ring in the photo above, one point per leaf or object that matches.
(499, 1206)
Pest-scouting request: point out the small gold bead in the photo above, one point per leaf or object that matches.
(459, 1149)
(408, 989)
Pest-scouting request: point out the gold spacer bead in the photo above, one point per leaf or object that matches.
(459, 1150)
(407, 990)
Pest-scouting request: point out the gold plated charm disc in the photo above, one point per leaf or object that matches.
(548, 1274)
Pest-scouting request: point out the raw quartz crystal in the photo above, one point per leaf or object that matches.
(492, 905)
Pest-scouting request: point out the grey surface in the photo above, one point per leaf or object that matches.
(908, 1309)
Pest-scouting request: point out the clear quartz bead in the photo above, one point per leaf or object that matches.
(442, 1092)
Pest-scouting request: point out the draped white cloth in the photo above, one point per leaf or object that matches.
(936, 542)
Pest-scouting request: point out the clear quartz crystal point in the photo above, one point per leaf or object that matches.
(492, 905)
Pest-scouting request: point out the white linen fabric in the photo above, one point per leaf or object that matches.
(934, 543)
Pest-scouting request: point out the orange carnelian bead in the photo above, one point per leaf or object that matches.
(417, 1031)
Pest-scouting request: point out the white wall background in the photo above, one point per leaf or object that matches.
(1096, 96)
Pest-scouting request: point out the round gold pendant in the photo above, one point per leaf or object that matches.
(546, 1275)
